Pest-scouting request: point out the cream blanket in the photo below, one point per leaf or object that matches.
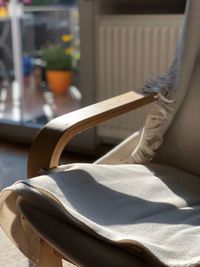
(151, 210)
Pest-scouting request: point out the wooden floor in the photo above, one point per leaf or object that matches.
(36, 104)
(13, 159)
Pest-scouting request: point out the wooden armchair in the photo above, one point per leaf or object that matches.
(52, 139)
(115, 212)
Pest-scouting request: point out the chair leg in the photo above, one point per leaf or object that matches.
(48, 257)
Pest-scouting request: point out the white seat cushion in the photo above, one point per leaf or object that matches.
(153, 210)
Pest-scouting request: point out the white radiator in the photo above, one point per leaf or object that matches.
(130, 50)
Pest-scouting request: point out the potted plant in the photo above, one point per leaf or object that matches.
(58, 68)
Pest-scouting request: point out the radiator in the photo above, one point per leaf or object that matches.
(130, 50)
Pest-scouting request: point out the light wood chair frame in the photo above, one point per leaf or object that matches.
(54, 136)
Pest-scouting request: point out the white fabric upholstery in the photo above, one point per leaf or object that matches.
(153, 210)
(182, 147)
(121, 153)
(172, 87)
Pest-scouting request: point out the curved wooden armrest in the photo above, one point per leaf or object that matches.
(51, 140)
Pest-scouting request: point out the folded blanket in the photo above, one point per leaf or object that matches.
(152, 211)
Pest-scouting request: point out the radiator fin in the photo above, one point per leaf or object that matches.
(130, 50)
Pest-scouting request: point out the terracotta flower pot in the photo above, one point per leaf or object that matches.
(59, 81)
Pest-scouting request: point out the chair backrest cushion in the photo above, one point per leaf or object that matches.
(181, 146)
(174, 117)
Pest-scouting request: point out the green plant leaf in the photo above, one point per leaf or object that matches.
(56, 58)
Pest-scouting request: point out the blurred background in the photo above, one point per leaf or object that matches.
(39, 40)
(57, 56)
(60, 55)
